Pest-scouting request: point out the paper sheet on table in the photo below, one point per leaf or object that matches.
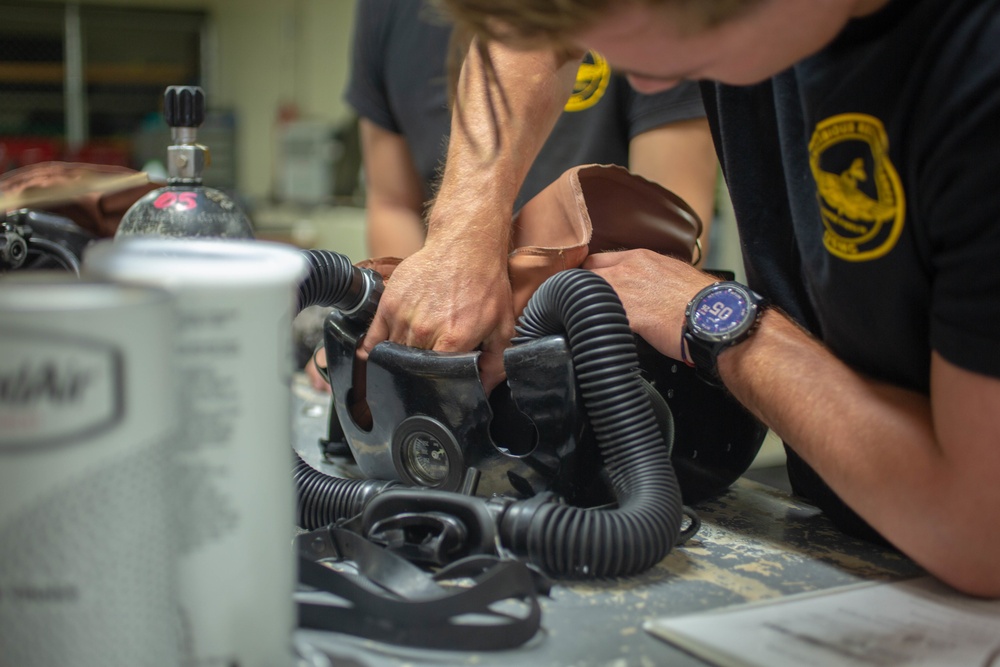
(913, 623)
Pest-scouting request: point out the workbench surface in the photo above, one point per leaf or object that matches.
(756, 543)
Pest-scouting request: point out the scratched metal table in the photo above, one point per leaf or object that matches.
(756, 543)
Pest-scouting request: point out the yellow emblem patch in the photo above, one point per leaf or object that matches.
(860, 195)
(591, 81)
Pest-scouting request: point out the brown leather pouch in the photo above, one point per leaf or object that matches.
(93, 196)
(596, 208)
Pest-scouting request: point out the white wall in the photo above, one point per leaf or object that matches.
(272, 53)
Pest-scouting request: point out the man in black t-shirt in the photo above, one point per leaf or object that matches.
(859, 141)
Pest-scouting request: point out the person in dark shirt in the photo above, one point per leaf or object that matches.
(858, 139)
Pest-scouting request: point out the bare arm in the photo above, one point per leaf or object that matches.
(394, 197)
(680, 157)
(922, 471)
(454, 294)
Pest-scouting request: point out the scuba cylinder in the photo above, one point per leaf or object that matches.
(185, 207)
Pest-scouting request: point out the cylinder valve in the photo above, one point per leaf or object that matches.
(185, 207)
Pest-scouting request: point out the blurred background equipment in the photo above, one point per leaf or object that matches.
(77, 80)
(35, 240)
(50, 211)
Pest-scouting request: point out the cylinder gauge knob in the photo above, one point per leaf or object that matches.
(184, 106)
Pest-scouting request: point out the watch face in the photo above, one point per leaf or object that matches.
(721, 313)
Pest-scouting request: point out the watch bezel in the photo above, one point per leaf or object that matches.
(748, 321)
(703, 347)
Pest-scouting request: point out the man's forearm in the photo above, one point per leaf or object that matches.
(450, 295)
(883, 449)
(498, 128)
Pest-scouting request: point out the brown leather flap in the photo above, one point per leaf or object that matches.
(595, 208)
(628, 211)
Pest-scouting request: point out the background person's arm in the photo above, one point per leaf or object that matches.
(393, 207)
(394, 197)
(681, 157)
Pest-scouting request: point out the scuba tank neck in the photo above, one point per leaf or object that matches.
(185, 207)
(184, 112)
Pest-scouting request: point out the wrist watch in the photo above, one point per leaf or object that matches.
(719, 316)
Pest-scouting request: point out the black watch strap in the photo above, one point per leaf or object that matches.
(706, 364)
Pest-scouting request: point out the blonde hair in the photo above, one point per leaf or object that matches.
(554, 22)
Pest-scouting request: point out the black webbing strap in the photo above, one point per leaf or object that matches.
(389, 599)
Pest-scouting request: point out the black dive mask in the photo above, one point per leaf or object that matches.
(422, 418)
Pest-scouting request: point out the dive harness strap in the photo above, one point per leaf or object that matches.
(384, 597)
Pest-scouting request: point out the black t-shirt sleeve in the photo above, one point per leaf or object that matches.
(645, 112)
(366, 89)
(957, 191)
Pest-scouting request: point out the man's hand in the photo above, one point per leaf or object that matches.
(453, 295)
(654, 290)
(449, 299)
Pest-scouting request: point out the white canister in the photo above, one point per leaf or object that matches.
(87, 423)
(236, 301)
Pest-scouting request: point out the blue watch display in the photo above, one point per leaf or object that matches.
(719, 316)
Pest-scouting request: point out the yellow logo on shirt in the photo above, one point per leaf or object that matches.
(860, 195)
(591, 81)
